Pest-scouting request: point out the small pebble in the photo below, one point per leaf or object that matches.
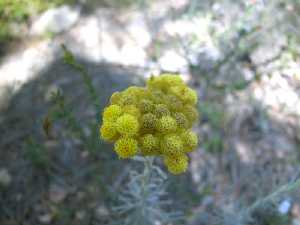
(5, 178)
(284, 207)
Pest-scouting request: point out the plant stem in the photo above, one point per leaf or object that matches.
(287, 188)
(146, 177)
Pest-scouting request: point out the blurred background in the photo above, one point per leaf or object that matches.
(242, 58)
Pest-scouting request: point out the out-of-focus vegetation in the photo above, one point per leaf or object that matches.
(15, 13)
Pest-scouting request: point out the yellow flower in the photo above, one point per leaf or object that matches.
(184, 93)
(126, 147)
(189, 140)
(171, 144)
(166, 124)
(161, 110)
(139, 92)
(176, 164)
(115, 98)
(191, 114)
(181, 120)
(108, 131)
(153, 120)
(128, 99)
(134, 90)
(190, 96)
(157, 96)
(173, 103)
(164, 81)
(146, 106)
(149, 145)
(132, 110)
(177, 91)
(148, 123)
(127, 125)
(111, 113)
(171, 79)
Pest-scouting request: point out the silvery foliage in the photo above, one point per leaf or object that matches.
(144, 199)
(267, 205)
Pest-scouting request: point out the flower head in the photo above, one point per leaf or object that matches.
(191, 114)
(161, 110)
(189, 140)
(166, 124)
(181, 120)
(153, 120)
(149, 145)
(146, 106)
(127, 99)
(171, 144)
(111, 113)
(174, 103)
(108, 131)
(132, 110)
(176, 164)
(126, 147)
(127, 125)
(148, 123)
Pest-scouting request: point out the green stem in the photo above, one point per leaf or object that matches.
(87, 80)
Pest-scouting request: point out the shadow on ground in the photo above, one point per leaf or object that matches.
(55, 175)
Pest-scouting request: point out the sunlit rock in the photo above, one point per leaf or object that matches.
(55, 20)
(172, 61)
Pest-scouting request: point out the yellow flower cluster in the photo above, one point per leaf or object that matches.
(153, 121)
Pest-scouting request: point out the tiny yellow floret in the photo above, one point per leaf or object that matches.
(191, 114)
(127, 125)
(132, 110)
(108, 132)
(174, 103)
(149, 145)
(161, 110)
(181, 120)
(190, 96)
(171, 79)
(171, 144)
(176, 164)
(157, 96)
(178, 91)
(128, 99)
(189, 140)
(146, 106)
(126, 147)
(166, 124)
(148, 123)
(111, 113)
(164, 81)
